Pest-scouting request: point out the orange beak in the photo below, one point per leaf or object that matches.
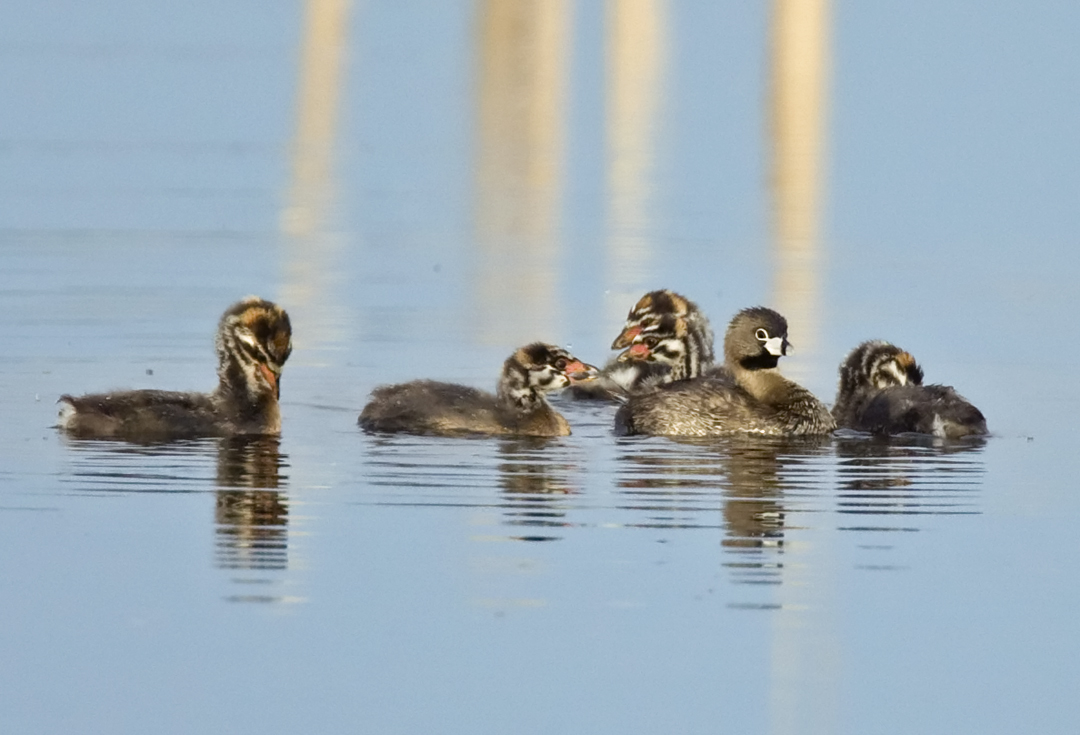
(626, 337)
(579, 372)
(271, 379)
(637, 351)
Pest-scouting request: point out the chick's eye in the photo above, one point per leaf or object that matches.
(651, 342)
(762, 335)
(560, 363)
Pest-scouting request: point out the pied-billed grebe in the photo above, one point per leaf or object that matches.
(881, 392)
(517, 408)
(254, 339)
(680, 342)
(749, 397)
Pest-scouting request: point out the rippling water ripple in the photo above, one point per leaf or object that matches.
(755, 495)
(247, 477)
(747, 488)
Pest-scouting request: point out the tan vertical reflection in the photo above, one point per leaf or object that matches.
(522, 70)
(310, 249)
(804, 654)
(798, 118)
(635, 70)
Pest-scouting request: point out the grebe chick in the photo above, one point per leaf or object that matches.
(657, 312)
(254, 339)
(680, 339)
(749, 397)
(673, 345)
(881, 392)
(517, 408)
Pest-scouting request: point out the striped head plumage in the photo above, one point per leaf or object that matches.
(670, 342)
(648, 317)
(878, 365)
(254, 339)
(539, 368)
(669, 329)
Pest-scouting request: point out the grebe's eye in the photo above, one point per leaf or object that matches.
(560, 363)
(651, 342)
(762, 335)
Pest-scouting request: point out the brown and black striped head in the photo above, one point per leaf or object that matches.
(648, 317)
(254, 339)
(539, 368)
(672, 343)
(877, 365)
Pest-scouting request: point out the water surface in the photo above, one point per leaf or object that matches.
(462, 200)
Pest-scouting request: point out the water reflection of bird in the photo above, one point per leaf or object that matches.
(534, 486)
(749, 477)
(253, 342)
(750, 397)
(881, 392)
(911, 475)
(525, 469)
(753, 512)
(666, 337)
(761, 472)
(250, 462)
(517, 408)
(252, 513)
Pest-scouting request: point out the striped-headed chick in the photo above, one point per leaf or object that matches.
(647, 317)
(881, 392)
(254, 339)
(518, 407)
(665, 338)
(671, 342)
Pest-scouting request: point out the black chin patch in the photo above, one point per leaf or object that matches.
(761, 361)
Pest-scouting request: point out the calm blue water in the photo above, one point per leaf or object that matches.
(334, 581)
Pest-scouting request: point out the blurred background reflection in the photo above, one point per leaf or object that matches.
(524, 57)
(798, 122)
(636, 59)
(313, 244)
